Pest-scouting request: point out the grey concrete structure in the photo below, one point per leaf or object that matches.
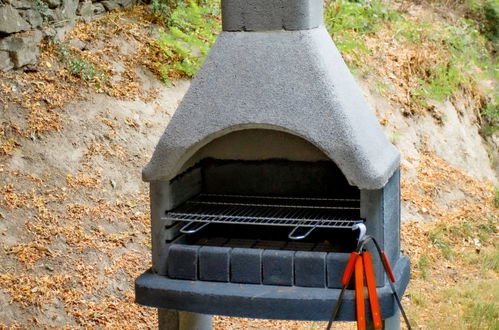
(266, 15)
(260, 301)
(214, 263)
(277, 267)
(310, 269)
(289, 81)
(183, 262)
(335, 264)
(171, 320)
(273, 120)
(245, 266)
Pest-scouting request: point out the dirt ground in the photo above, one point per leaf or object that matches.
(74, 217)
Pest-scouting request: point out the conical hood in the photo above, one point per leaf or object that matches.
(291, 81)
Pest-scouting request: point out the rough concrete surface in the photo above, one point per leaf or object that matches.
(290, 81)
(265, 15)
(260, 301)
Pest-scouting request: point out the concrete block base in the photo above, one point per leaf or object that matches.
(277, 267)
(260, 301)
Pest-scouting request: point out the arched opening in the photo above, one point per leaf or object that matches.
(255, 177)
(270, 163)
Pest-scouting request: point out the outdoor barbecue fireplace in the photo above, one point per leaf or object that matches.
(267, 164)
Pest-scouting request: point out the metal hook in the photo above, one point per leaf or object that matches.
(362, 230)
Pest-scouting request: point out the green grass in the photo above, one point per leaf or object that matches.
(481, 231)
(418, 297)
(348, 21)
(463, 48)
(486, 15)
(423, 266)
(79, 67)
(479, 302)
(190, 32)
(439, 239)
(486, 258)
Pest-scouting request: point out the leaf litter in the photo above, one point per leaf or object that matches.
(75, 242)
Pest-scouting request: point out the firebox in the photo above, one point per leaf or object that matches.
(269, 161)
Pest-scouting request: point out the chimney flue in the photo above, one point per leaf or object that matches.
(267, 15)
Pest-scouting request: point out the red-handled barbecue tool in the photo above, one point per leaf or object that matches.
(371, 290)
(347, 275)
(360, 309)
(389, 272)
(361, 261)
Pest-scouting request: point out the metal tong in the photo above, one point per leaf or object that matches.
(360, 262)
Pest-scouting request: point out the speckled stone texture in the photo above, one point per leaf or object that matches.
(290, 81)
(261, 301)
(265, 15)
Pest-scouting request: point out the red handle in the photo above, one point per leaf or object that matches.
(359, 294)
(347, 274)
(371, 290)
(388, 267)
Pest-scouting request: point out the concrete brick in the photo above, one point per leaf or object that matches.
(164, 196)
(277, 267)
(310, 269)
(265, 15)
(260, 301)
(183, 261)
(246, 266)
(302, 14)
(214, 263)
(335, 265)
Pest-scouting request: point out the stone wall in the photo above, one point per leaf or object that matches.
(24, 23)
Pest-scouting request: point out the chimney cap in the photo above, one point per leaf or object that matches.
(265, 15)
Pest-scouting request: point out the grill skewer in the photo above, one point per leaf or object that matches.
(300, 213)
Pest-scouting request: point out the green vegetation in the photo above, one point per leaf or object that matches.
(444, 58)
(439, 239)
(191, 30)
(486, 15)
(418, 297)
(162, 9)
(490, 113)
(423, 265)
(487, 258)
(480, 302)
(349, 21)
(476, 232)
(81, 68)
(437, 58)
(43, 9)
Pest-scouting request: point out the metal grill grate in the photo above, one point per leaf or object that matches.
(303, 214)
